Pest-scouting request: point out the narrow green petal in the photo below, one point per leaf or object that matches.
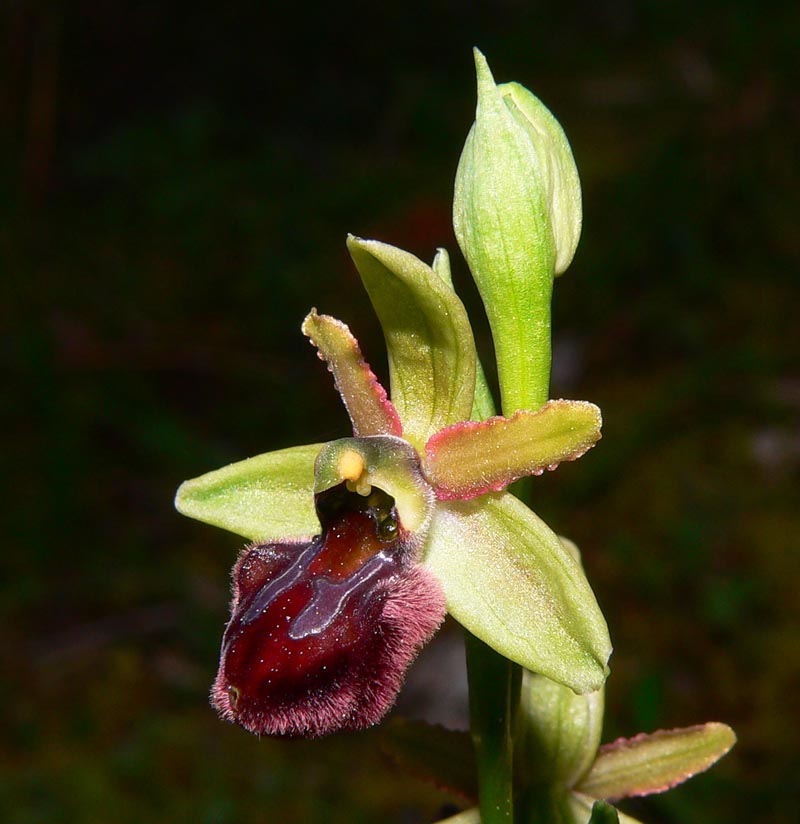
(581, 807)
(562, 730)
(365, 399)
(471, 458)
(428, 338)
(510, 582)
(266, 498)
(444, 757)
(441, 265)
(483, 404)
(649, 764)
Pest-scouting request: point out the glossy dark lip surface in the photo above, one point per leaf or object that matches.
(321, 633)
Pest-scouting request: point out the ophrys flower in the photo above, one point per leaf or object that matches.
(363, 542)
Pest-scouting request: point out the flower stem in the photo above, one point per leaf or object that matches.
(494, 681)
(494, 689)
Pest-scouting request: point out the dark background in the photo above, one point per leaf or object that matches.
(176, 186)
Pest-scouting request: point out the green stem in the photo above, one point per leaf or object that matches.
(494, 681)
(494, 691)
(494, 694)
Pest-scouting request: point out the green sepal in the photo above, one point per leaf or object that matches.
(471, 458)
(654, 763)
(365, 399)
(560, 730)
(266, 498)
(443, 757)
(386, 462)
(429, 340)
(510, 582)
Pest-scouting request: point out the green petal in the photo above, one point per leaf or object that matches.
(471, 458)
(266, 498)
(581, 807)
(649, 764)
(483, 404)
(444, 757)
(365, 399)
(510, 582)
(428, 338)
(562, 729)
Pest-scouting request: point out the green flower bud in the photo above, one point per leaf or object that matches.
(517, 218)
(558, 174)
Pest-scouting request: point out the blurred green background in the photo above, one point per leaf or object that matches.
(176, 185)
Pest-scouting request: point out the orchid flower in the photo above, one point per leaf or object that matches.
(363, 543)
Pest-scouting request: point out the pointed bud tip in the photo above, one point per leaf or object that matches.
(180, 497)
(483, 73)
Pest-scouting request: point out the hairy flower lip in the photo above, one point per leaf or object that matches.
(322, 632)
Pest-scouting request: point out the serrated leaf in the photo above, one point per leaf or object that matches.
(648, 764)
(428, 338)
(471, 458)
(269, 497)
(444, 757)
(371, 412)
(510, 582)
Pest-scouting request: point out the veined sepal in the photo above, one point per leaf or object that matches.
(268, 497)
(510, 581)
(428, 336)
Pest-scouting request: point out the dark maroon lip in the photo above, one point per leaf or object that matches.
(321, 633)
